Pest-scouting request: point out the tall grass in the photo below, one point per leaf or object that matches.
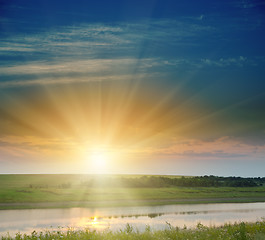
(237, 231)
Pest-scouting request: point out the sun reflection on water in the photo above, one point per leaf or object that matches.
(95, 223)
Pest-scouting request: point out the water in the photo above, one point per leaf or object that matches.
(26, 221)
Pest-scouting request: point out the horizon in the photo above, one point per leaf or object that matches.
(130, 87)
(133, 175)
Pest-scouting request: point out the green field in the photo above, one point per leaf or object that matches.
(237, 231)
(49, 191)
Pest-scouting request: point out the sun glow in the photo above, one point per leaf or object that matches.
(99, 159)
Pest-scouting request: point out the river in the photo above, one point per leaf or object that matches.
(157, 217)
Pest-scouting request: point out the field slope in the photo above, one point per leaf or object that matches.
(49, 191)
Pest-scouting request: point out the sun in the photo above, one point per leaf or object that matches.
(99, 160)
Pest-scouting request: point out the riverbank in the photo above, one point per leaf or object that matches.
(228, 231)
(68, 191)
(128, 203)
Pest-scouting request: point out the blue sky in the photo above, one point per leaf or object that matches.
(195, 69)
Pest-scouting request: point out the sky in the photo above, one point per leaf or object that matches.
(132, 87)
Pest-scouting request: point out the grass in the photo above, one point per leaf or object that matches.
(237, 231)
(42, 191)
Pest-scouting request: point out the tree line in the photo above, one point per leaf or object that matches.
(164, 181)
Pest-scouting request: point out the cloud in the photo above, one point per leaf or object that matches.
(224, 62)
(247, 4)
(219, 148)
(78, 66)
(47, 73)
(90, 52)
(69, 80)
(101, 52)
(32, 146)
(96, 38)
(89, 70)
(95, 70)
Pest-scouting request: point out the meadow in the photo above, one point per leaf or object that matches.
(237, 231)
(58, 191)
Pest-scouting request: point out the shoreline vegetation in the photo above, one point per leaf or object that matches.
(236, 231)
(25, 191)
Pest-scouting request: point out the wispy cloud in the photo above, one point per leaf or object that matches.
(224, 62)
(32, 146)
(91, 52)
(91, 39)
(35, 73)
(246, 4)
(68, 80)
(223, 147)
(88, 70)
(220, 148)
(98, 52)
(78, 66)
